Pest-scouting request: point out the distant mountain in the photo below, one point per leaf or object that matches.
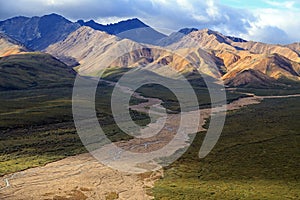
(93, 47)
(174, 37)
(34, 70)
(263, 48)
(237, 55)
(116, 28)
(9, 46)
(111, 51)
(132, 29)
(38, 33)
(204, 38)
(273, 65)
(94, 50)
(195, 36)
(210, 53)
(294, 46)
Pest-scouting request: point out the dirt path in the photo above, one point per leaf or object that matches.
(83, 177)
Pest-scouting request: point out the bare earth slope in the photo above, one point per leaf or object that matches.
(206, 51)
(96, 50)
(9, 46)
(236, 55)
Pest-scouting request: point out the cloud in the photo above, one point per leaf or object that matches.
(171, 15)
(268, 34)
(282, 4)
(275, 25)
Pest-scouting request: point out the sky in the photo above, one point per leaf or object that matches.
(270, 21)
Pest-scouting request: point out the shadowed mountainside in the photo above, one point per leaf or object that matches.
(38, 33)
(132, 29)
(34, 70)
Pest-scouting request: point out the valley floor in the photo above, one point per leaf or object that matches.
(78, 177)
(82, 177)
(257, 157)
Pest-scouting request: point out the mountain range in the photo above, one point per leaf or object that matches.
(92, 47)
(21, 68)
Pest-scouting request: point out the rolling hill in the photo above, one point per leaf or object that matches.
(34, 70)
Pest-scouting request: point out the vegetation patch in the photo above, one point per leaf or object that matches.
(255, 158)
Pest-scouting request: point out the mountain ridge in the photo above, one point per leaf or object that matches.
(133, 29)
(38, 33)
(211, 52)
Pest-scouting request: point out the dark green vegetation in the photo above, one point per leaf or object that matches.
(286, 87)
(34, 70)
(169, 99)
(36, 126)
(36, 122)
(257, 157)
(270, 92)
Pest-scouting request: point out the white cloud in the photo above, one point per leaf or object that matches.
(212, 10)
(173, 15)
(282, 4)
(282, 23)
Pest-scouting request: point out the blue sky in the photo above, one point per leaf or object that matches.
(254, 4)
(270, 21)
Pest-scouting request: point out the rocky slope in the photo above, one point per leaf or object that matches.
(94, 50)
(236, 55)
(187, 50)
(294, 46)
(250, 78)
(9, 46)
(262, 48)
(99, 50)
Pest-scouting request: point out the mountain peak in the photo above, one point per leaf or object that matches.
(135, 21)
(80, 22)
(90, 21)
(211, 32)
(129, 24)
(133, 29)
(53, 15)
(38, 33)
(187, 30)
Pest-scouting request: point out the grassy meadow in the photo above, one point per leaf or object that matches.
(36, 126)
(257, 157)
